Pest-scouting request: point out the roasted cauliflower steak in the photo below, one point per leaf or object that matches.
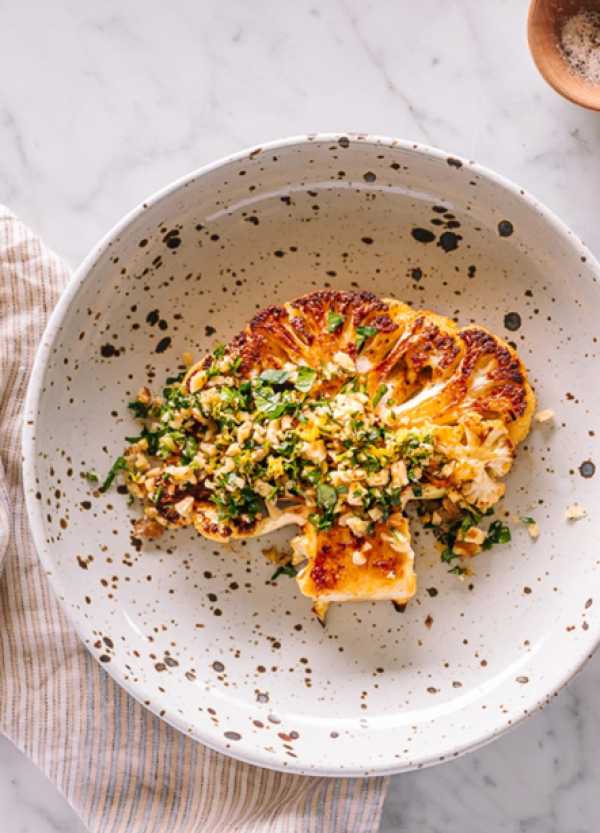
(341, 413)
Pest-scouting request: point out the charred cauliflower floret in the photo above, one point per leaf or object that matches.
(336, 412)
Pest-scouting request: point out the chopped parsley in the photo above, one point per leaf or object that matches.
(274, 377)
(119, 464)
(189, 450)
(334, 321)
(364, 333)
(448, 535)
(232, 504)
(284, 570)
(174, 380)
(379, 394)
(306, 379)
(273, 404)
(498, 533)
(152, 439)
(321, 522)
(139, 409)
(326, 497)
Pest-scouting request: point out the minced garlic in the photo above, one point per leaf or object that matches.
(544, 416)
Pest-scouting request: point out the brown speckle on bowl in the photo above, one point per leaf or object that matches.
(423, 235)
(512, 321)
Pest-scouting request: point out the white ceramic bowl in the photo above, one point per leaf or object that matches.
(196, 631)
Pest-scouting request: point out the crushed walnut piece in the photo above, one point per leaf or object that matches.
(531, 524)
(273, 555)
(575, 512)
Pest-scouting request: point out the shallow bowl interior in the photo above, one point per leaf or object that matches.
(198, 632)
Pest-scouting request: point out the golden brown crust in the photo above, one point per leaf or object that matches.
(333, 574)
(298, 330)
(412, 349)
(434, 372)
(147, 529)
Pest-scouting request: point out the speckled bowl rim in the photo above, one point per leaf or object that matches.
(82, 274)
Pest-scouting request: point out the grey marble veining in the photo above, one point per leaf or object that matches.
(540, 778)
(29, 803)
(100, 104)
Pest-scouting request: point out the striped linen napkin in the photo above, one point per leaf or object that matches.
(121, 768)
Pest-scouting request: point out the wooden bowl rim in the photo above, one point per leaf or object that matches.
(565, 81)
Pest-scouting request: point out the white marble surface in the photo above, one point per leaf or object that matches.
(102, 103)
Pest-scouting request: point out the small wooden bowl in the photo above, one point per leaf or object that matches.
(546, 19)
